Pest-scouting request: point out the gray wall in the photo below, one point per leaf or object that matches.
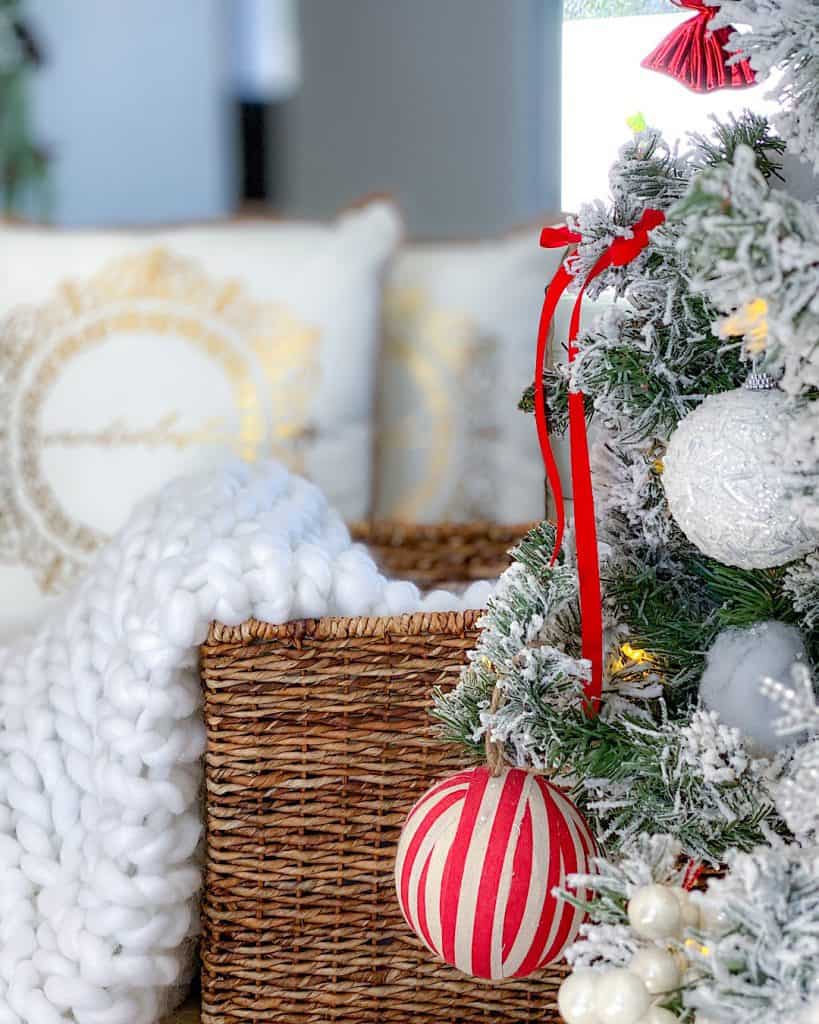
(134, 102)
(452, 106)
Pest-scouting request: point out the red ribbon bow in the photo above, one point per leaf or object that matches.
(620, 252)
(698, 57)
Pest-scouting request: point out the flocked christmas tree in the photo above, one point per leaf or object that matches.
(700, 388)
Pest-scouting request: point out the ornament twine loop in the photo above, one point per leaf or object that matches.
(495, 758)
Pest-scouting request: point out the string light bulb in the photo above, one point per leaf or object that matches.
(751, 322)
(634, 653)
(697, 947)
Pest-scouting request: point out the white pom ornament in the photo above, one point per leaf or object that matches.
(654, 912)
(478, 861)
(731, 685)
(725, 491)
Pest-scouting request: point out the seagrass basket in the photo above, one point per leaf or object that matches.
(441, 554)
(319, 742)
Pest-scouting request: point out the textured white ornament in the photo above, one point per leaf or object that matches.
(654, 912)
(576, 997)
(738, 661)
(620, 997)
(658, 968)
(725, 491)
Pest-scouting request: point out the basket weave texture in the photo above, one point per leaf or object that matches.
(319, 742)
(438, 555)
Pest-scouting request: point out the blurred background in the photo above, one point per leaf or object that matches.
(381, 353)
(476, 115)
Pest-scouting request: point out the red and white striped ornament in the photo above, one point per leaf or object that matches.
(478, 860)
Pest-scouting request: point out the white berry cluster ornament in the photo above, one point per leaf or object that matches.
(634, 994)
(726, 492)
(614, 996)
(661, 912)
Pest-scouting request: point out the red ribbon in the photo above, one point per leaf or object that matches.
(693, 873)
(698, 57)
(620, 252)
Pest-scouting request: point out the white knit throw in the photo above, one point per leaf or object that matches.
(101, 735)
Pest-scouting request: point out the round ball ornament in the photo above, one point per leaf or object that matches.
(479, 858)
(654, 912)
(576, 998)
(725, 490)
(621, 997)
(690, 911)
(658, 968)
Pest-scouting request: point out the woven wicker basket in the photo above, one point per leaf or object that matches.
(434, 556)
(319, 742)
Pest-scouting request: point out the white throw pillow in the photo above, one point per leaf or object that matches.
(127, 358)
(460, 333)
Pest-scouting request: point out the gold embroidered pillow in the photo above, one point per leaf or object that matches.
(460, 328)
(140, 357)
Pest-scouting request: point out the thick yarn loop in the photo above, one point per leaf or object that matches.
(101, 735)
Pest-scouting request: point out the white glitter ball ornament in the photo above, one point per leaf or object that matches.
(725, 491)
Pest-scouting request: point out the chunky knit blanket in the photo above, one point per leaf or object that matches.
(101, 735)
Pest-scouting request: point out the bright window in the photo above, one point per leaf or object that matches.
(604, 85)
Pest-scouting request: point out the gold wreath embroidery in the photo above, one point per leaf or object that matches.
(267, 356)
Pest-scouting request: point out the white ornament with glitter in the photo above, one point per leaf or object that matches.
(725, 490)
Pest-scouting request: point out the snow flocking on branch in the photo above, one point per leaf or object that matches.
(745, 242)
(758, 965)
(784, 35)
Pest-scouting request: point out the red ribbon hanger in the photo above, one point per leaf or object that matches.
(693, 873)
(620, 252)
(698, 57)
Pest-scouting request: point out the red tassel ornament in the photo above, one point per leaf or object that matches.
(698, 57)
